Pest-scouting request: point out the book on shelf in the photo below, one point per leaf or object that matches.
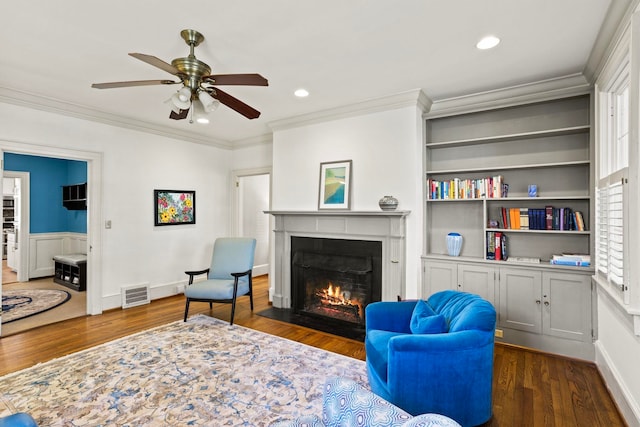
(548, 217)
(576, 260)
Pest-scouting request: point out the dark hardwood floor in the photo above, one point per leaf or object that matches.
(530, 388)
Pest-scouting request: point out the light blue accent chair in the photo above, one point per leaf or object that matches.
(228, 277)
(434, 355)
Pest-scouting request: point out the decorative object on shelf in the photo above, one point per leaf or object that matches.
(173, 207)
(388, 203)
(454, 244)
(335, 185)
(533, 190)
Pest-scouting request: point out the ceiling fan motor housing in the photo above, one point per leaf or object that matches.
(191, 71)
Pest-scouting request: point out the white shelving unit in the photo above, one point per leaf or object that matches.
(547, 144)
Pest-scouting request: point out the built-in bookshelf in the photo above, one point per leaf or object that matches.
(481, 163)
(489, 175)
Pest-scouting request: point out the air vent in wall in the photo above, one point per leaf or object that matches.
(135, 295)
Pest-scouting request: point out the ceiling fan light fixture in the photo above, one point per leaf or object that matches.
(178, 101)
(199, 113)
(209, 103)
(184, 94)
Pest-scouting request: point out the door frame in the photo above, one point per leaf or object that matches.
(94, 208)
(235, 219)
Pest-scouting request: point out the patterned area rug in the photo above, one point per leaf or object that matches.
(200, 373)
(20, 303)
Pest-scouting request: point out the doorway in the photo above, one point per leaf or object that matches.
(93, 301)
(252, 197)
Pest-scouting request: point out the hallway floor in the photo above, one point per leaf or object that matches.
(75, 307)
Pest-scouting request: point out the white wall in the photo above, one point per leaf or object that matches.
(617, 351)
(134, 164)
(386, 150)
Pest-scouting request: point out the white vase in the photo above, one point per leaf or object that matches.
(454, 244)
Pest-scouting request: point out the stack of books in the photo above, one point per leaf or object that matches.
(496, 246)
(547, 218)
(457, 188)
(576, 260)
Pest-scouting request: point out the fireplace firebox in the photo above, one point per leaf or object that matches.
(333, 280)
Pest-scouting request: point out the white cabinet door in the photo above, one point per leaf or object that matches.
(12, 252)
(439, 276)
(566, 309)
(520, 299)
(478, 279)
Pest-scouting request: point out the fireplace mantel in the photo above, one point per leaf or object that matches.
(387, 227)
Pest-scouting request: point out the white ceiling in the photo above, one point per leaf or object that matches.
(342, 51)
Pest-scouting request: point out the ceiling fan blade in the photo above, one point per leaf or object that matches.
(235, 104)
(156, 62)
(112, 85)
(237, 79)
(179, 116)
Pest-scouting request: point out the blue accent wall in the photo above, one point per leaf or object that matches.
(47, 176)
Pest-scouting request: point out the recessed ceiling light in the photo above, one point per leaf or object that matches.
(488, 42)
(301, 93)
(202, 120)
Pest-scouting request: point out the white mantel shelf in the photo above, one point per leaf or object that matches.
(341, 213)
(388, 227)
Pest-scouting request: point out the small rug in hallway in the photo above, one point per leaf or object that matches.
(200, 373)
(20, 303)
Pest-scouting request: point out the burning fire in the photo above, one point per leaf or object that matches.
(335, 295)
(338, 303)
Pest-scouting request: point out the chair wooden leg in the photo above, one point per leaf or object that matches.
(233, 309)
(186, 310)
(251, 294)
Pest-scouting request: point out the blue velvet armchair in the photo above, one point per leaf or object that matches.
(433, 356)
(19, 419)
(228, 277)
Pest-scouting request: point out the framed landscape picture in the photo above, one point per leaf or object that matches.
(335, 185)
(174, 207)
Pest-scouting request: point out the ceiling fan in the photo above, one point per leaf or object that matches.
(197, 80)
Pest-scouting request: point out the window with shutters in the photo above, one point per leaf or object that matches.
(611, 192)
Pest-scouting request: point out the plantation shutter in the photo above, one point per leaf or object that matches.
(610, 226)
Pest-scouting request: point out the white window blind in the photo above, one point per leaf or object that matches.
(610, 226)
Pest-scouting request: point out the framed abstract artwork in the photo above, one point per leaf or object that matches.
(174, 207)
(335, 185)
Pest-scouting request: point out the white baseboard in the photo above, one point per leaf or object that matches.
(626, 404)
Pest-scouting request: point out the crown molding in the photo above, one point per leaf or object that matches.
(253, 141)
(615, 24)
(415, 97)
(51, 105)
(571, 85)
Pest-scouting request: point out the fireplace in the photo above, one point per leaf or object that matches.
(333, 280)
(383, 230)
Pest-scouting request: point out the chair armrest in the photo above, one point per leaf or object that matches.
(246, 273)
(192, 274)
(390, 316)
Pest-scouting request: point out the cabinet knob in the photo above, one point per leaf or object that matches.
(546, 303)
(538, 301)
